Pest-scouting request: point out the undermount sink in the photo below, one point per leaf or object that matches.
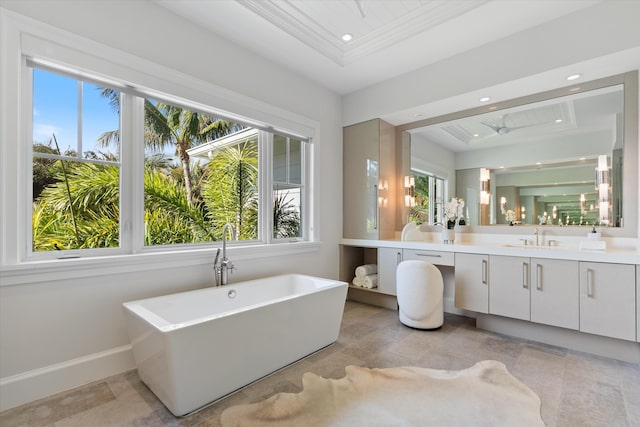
(540, 247)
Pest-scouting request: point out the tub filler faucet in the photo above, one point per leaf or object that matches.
(221, 267)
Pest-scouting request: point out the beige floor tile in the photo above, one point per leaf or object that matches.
(576, 389)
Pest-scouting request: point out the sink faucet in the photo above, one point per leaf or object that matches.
(221, 269)
(535, 231)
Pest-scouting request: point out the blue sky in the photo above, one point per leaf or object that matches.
(55, 110)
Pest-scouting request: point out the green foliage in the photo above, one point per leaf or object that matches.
(44, 172)
(230, 190)
(169, 217)
(420, 212)
(286, 219)
(94, 200)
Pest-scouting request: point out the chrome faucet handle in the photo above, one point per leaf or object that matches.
(525, 241)
(215, 261)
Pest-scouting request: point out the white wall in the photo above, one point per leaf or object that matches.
(59, 333)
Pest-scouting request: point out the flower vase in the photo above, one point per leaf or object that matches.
(448, 235)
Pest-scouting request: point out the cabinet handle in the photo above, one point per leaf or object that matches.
(430, 255)
(539, 277)
(375, 206)
(525, 273)
(589, 283)
(484, 271)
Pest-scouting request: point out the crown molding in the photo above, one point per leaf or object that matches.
(295, 22)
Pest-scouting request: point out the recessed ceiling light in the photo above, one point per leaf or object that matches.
(574, 77)
(347, 37)
(476, 135)
(485, 99)
(558, 120)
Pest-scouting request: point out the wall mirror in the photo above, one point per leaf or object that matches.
(565, 158)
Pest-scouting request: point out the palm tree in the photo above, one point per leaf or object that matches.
(286, 219)
(168, 125)
(80, 210)
(230, 189)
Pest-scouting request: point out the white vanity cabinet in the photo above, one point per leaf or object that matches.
(509, 289)
(608, 300)
(555, 293)
(472, 282)
(540, 290)
(638, 302)
(388, 260)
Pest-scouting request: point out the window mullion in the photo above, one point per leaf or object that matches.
(26, 188)
(265, 183)
(132, 182)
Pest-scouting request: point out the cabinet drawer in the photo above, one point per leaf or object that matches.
(434, 257)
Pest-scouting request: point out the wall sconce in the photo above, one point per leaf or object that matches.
(383, 186)
(603, 186)
(523, 213)
(503, 205)
(554, 212)
(485, 191)
(583, 204)
(409, 187)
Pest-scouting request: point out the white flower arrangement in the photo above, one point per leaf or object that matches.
(453, 211)
(510, 215)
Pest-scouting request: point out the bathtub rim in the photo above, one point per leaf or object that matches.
(163, 326)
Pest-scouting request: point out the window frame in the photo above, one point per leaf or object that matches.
(21, 38)
(301, 186)
(435, 213)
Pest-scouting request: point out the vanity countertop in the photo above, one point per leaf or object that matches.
(564, 251)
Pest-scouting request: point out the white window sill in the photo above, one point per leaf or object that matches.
(60, 269)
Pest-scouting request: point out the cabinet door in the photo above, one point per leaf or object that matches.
(555, 293)
(388, 260)
(608, 300)
(360, 180)
(638, 302)
(472, 282)
(509, 294)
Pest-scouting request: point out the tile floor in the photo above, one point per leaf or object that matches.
(576, 389)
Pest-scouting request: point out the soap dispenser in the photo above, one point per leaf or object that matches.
(594, 235)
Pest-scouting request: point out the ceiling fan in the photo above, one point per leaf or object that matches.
(503, 129)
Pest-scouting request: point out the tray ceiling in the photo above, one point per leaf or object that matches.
(390, 37)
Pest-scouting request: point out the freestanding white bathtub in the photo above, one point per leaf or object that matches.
(192, 348)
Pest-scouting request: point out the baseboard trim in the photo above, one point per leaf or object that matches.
(26, 387)
(627, 351)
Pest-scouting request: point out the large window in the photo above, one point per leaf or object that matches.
(197, 171)
(75, 168)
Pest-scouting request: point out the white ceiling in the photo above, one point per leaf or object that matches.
(390, 37)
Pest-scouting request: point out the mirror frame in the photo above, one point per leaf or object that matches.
(630, 195)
